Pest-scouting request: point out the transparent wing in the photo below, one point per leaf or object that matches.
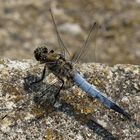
(60, 42)
(84, 49)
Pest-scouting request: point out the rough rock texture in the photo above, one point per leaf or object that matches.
(75, 116)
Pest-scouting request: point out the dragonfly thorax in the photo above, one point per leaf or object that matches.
(60, 67)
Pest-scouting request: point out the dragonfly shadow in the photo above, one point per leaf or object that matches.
(47, 101)
(86, 120)
(42, 93)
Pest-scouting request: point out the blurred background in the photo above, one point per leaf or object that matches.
(25, 25)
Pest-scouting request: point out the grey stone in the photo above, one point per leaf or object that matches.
(25, 115)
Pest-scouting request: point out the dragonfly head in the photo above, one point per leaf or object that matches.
(41, 54)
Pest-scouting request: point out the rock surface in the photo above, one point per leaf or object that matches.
(75, 116)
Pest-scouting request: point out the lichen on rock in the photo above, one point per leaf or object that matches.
(76, 116)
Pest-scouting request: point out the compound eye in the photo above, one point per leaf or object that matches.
(52, 51)
(45, 50)
(40, 52)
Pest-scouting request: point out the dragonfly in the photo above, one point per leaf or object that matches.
(63, 69)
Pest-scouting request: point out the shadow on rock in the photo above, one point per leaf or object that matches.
(44, 95)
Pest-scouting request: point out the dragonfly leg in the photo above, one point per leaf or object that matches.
(42, 76)
(57, 94)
